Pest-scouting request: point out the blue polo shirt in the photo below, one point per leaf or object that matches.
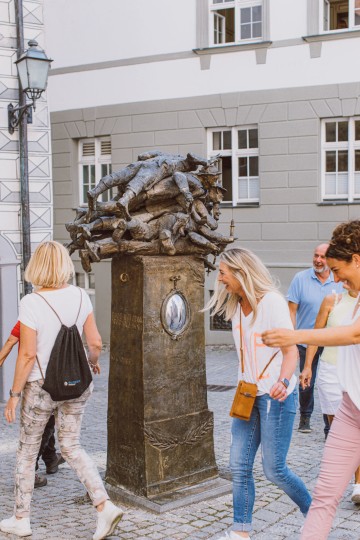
(308, 292)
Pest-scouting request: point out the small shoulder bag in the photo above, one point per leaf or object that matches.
(246, 392)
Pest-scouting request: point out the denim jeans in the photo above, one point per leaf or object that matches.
(306, 396)
(270, 424)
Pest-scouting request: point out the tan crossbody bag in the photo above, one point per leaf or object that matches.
(246, 392)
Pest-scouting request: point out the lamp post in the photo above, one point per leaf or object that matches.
(33, 68)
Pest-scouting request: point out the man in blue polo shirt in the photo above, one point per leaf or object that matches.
(306, 292)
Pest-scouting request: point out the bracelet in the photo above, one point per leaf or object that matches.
(14, 394)
(93, 365)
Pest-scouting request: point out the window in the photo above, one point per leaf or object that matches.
(341, 159)
(94, 163)
(238, 151)
(218, 322)
(235, 21)
(341, 14)
(86, 281)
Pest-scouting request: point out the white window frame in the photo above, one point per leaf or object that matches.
(235, 153)
(350, 145)
(237, 5)
(90, 291)
(322, 17)
(98, 160)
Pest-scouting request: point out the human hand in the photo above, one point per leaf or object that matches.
(305, 377)
(278, 391)
(278, 337)
(10, 409)
(95, 368)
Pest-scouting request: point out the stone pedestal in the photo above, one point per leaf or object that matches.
(160, 431)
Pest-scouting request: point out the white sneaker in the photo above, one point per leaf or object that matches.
(355, 497)
(20, 527)
(107, 520)
(232, 536)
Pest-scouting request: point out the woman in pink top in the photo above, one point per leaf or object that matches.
(341, 454)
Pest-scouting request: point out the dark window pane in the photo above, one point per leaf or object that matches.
(246, 31)
(357, 130)
(243, 169)
(253, 138)
(330, 128)
(226, 177)
(357, 17)
(245, 15)
(342, 161)
(85, 190)
(217, 140)
(92, 174)
(227, 140)
(91, 281)
(330, 161)
(342, 131)
(85, 174)
(104, 169)
(80, 279)
(257, 30)
(229, 15)
(256, 13)
(242, 136)
(254, 166)
(357, 160)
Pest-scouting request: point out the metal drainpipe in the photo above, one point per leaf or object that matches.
(23, 152)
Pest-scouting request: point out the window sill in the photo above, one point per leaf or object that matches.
(235, 47)
(240, 205)
(331, 36)
(338, 203)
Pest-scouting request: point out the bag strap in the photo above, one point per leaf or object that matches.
(50, 306)
(41, 371)
(242, 352)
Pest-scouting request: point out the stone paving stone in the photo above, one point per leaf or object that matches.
(61, 510)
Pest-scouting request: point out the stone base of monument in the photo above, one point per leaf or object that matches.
(160, 430)
(166, 502)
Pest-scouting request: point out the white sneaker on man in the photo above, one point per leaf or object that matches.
(232, 536)
(355, 497)
(107, 520)
(19, 527)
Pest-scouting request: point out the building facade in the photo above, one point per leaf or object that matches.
(270, 85)
(40, 186)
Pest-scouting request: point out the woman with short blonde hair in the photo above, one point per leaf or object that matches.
(42, 313)
(246, 293)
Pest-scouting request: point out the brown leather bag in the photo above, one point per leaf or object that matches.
(246, 392)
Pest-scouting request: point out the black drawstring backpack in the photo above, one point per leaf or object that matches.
(68, 373)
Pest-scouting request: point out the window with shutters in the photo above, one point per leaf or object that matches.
(238, 152)
(94, 163)
(341, 159)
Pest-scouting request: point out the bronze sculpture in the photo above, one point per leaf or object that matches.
(166, 204)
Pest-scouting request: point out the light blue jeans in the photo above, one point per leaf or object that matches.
(271, 424)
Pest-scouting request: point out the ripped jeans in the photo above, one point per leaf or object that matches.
(271, 424)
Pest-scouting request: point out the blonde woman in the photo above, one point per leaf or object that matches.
(49, 270)
(246, 295)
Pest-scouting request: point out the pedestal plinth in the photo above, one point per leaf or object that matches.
(160, 431)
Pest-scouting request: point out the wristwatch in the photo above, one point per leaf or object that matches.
(14, 394)
(285, 382)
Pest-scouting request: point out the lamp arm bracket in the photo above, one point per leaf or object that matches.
(15, 115)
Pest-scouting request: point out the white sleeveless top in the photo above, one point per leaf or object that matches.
(348, 366)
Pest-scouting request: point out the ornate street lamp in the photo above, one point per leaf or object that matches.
(33, 69)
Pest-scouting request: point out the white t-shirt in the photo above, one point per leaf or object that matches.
(273, 312)
(348, 365)
(36, 314)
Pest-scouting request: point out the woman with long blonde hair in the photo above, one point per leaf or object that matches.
(41, 315)
(247, 295)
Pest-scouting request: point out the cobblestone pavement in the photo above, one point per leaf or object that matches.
(61, 510)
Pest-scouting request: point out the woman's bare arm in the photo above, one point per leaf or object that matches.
(94, 342)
